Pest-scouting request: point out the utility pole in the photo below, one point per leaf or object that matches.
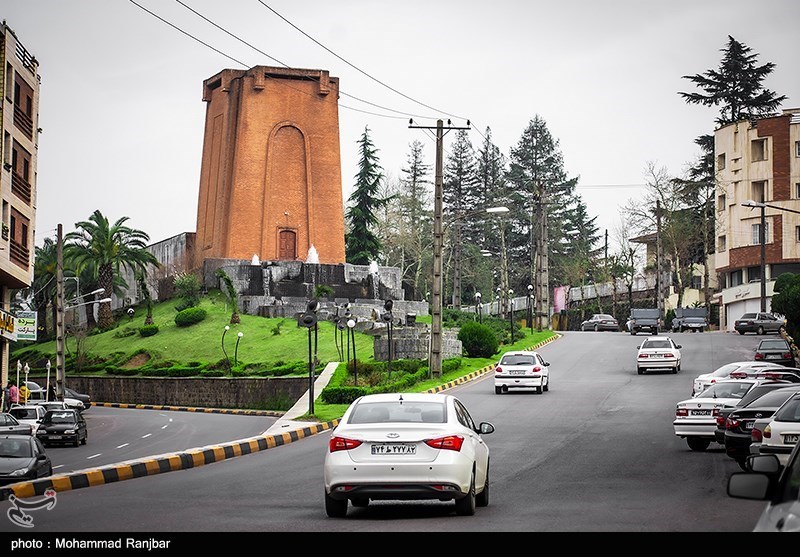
(435, 357)
(659, 263)
(542, 276)
(60, 330)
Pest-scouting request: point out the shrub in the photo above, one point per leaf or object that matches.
(148, 330)
(212, 373)
(114, 370)
(124, 332)
(190, 316)
(187, 288)
(451, 364)
(155, 372)
(479, 341)
(182, 371)
(342, 395)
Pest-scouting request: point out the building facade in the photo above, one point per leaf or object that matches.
(19, 121)
(757, 163)
(270, 182)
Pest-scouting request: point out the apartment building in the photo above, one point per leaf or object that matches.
(758, 169)
(19, 122)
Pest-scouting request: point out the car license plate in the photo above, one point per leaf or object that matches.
(656, 356)
(54, 436)
(701, 412)
(394, 448)
(790, 439)
(773, 356)
(748, 425)
(517, 372)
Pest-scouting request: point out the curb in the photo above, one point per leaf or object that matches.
(199, 410)
(192, 458)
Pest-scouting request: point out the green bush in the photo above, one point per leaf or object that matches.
(124, 332)
(190, 316)
(148, 330)
(478, 341)
(451, 364)
(114, 370)
(212, 373)
(155, 372)
(342, 395)
(182, 371)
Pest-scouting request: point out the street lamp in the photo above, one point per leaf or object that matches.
(763, 241)
(26, 370)
(388, 318)
(236, 350)
(511, 313)
(351, 323)
(227, 328)
(478, 307)
(529, 302)
(47, 391)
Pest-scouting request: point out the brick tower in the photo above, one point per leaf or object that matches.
(271, 179)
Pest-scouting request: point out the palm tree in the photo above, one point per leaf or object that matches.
(109, 247)
(44, 280)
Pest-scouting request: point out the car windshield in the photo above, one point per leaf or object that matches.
(15, 448)
(789, 412)
(727, 390)
(397, 411)
(517, 360)
(725, 370)
(24, 413)
(773, 398)
(656, 344)
(60, 417)
(773, 345)
(695, 319)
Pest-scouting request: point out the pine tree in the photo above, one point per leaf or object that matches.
(362, 245)
(736, 86)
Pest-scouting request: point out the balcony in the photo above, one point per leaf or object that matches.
(23, 122)
(20, 187)
(19, 254)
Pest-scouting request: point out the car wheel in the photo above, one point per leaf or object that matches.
(538, 390)
(498, 390)
(360, 502)
(77, 441)
(676, 369)
(633, 333)
(547, 384)
(697, 444)
(482, 499)
(85, 439)
(466, 505)
(742, 462)
(760, 331)
(639, 370)
(741, 332)
(335, 508)
(596, 328)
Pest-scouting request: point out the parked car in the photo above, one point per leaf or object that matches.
(644, 319)
(690, 319)
(600, 322)
(63, 426)
(22, 457)
(522, 369)
(658, 353)
(10, 425)
(84, 398)
(776, 350)
(783, 432)
(705, 380)
(740, 422)
(407, 446)
(696, 418)
(40, 396)
(30, 414)
(759, 323)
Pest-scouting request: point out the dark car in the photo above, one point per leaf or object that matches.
(9, 424)
(84, 398)
(758, 323)
(22, 457)
(600, 322)
(775, 350)
(63, 426)
(739, 422)
(763, 387)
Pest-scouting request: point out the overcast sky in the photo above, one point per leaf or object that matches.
(122, 114)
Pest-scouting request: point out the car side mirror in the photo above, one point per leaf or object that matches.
(764, 464)
(547, 363)
(742, 485)
(41, 457)
(678, 346)
(485, 428)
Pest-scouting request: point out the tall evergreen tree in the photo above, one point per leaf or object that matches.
(416, 222)
(362, 246)
(492, 191)
(736, 86)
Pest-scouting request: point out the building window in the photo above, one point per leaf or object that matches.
(758, 150)
(697, 283)
(756, 229)
(797, 148)
(797, 191)
(721, 161)
(797, 233)
(721, 244)
(737, 278)
(758, 191)
(9, 82)
(721, 202)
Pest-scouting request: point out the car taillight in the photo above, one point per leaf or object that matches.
(450, 443)
(732, 423)
(787, 356)
(715, 412)
(498, 369)
(537, 369)
(642, 356)
(755, 436)
(681, 412)
(669, 355)
(767, 432)
(720, 421)
(759, 356)
(342, 444)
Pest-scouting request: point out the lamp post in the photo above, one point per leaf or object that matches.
(388, 318)
(26, 369)
(227, 359)
(47, 387)
(351, 323)
(511, 313)
(529, 302)
(236, 350)
(478, 307)
(309, 320)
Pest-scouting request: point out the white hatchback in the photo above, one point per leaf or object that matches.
(407, 446)
(783, 432)
(522, 369)
(702, 382)
(658, 353)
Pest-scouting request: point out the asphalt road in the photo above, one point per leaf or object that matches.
(120, 434)
(595, 454)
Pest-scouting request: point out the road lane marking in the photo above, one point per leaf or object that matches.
(146, 436)
(93, 456)
(164, 426)
(57, 467)
(123, 445)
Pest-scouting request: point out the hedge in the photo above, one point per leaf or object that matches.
(148, 330)
(190, 316)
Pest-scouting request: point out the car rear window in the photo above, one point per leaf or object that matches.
(656, 344)
(396, 412)
(775, 344)
(517, 360)
(789, 412)
(748, 316)
(773, 398)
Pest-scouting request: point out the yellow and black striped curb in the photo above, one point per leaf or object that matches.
(151, 466)
(198, 410)
(486, 369)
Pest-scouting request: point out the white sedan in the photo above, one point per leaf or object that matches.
(696, 418)
(658, 353)
(702, 382)
(783, 431)
(407, 446)
(521, 369)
